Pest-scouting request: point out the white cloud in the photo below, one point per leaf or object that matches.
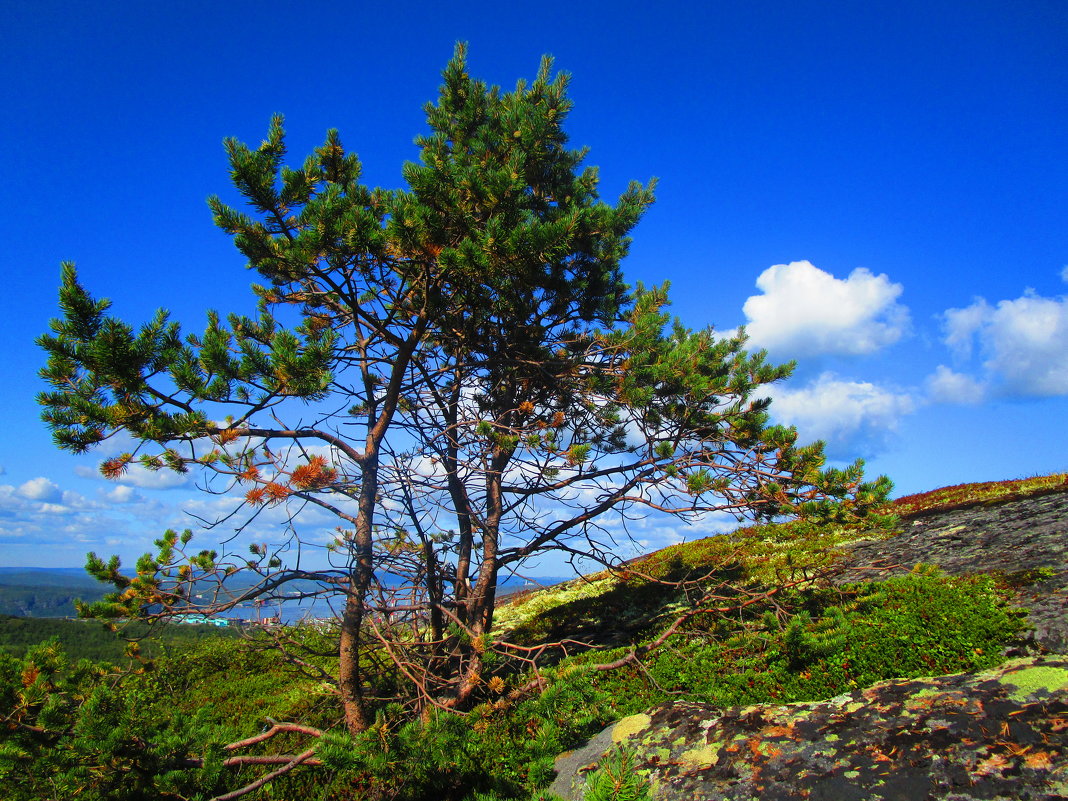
(123, 494)
(75, 500)
(806, 311)
(40, 489)
(1022, 341)
(54, 509)
(947, 386)
(1064, 276)
(854, 418)
(961, 325)
(42, 495)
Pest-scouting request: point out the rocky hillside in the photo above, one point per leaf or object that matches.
(999, 733)
(1025, 540)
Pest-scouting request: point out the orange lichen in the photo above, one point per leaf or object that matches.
(778, 731)
(994, 764)
(1039, 760)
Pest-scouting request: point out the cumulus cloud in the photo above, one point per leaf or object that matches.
(947, 386)
(41, 495)
(40, 489)
(54, 509)
(806, 311)
(58, 528)
(854, 418)
(38, 511)
(961, 325)
(1021, 341)
(123, 494)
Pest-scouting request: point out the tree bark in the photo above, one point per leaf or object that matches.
(350, 668)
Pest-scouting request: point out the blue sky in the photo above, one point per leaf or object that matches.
(877, 189)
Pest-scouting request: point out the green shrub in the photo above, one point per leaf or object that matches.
(617, 779)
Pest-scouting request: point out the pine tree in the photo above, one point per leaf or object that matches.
(471, 384)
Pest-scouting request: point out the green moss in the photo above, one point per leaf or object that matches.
(525, 610)
(1026, 683)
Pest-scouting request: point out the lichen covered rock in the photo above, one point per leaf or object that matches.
(1001, 734)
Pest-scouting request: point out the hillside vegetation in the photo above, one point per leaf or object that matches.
(93, 640)
(45, 593)
(732, 620)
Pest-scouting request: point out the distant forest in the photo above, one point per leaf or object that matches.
(90, 639)
(34, 603)
(46, 592)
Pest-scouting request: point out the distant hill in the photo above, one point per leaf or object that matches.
(45, 592)
(69, 577)
(51, 591)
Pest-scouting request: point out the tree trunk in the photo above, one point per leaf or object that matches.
(480, 614)
(350, 667)
(350, 673)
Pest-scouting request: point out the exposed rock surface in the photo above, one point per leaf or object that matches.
(1002, 734)
(998, 735)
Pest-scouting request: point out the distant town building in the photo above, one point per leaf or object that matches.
(203, 620)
